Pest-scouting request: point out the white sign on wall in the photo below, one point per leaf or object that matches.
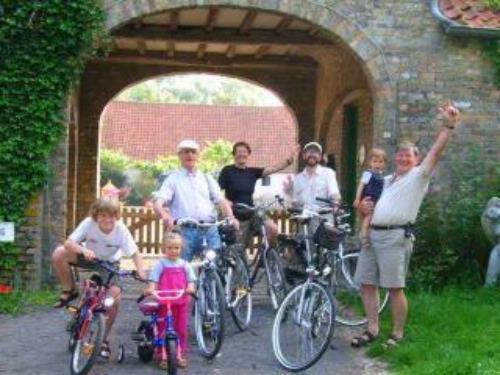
(6, 232)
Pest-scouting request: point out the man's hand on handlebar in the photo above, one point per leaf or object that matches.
(168, 222)
(234, 222)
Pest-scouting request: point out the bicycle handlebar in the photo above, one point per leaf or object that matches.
(166, 295)
(112, 269)
(201, 224)
(277, 198)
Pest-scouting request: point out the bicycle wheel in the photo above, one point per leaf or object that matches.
(172, 356)
(347, 294)
(209, 314)
(275, 277)
(91, 334)
(303, 326)
(238, 293)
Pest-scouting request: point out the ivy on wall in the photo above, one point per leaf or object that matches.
(44, 46)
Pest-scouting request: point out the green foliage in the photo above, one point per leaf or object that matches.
(142, 175)
(44, 47)
(451, 247)
(454, 332)
(495, 4)
(199, 89)
(492, 50)
(17, 301)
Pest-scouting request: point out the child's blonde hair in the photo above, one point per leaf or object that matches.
(377, 153)
(169, 236)
(105, 206)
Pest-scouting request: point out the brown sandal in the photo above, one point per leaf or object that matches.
(364, 339)
(66, 297)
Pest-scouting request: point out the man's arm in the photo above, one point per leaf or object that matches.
(451, 117)
(281, 165)
(164, 213)
(227, 211)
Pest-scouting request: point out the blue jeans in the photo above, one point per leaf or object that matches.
(193, 241)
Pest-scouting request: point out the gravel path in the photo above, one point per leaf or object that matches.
(36, 343)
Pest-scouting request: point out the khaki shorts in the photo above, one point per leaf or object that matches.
(93, 267)
(248, 230)
(385, 263)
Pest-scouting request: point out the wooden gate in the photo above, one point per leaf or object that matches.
(147, 229)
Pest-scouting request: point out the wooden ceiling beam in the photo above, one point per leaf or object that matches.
(200, 35)
(141, 45)
(261, 51)
(174, 20)
(247, 22)
(171, 49)
(213, 13)
(231, 50)
(202, 48)
(210, 60)
(283, 24)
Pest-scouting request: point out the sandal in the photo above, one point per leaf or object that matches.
(392, 341)
(364, 339)
(105, 350)
(66, 297)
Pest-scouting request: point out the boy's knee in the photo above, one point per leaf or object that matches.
(58, 253)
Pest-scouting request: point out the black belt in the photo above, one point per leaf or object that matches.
(389, 227)
(408, 228)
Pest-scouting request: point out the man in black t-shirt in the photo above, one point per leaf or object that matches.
(238, 181)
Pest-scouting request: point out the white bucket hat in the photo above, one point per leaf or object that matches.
(188, 144)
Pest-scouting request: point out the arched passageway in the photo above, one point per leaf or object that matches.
(328, 72)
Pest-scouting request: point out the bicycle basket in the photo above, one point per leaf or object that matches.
(227, 234)
(328, 236)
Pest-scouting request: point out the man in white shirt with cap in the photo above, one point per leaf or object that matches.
(190, 193)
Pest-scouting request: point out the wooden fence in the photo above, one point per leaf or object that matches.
(147, 229)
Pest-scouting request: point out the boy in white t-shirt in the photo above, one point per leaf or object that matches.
(100, 236)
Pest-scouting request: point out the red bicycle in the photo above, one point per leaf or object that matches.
(87, 327)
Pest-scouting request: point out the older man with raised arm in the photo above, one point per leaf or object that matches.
(190, 193)
(384, 263)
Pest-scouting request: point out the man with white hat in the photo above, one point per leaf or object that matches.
(315, 181)
(190, 193)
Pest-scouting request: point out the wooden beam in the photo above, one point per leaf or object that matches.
(174, 20)
(213, 13)
(141, 45)
(171, 49)
(246, 24)
(283, 24)
(202, 47)
(226, 36)
(313, 31)
(261, 51)
(230, 51)
(211, 60)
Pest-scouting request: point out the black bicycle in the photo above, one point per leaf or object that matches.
(267, 258)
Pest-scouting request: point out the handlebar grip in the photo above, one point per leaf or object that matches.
(324, 200)
(141, 298)
(192, 295)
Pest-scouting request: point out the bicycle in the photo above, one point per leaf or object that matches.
(328, 248)
(234, 274)
(87, 327)
(210, 302)
(151, 342)
(267, 257)
(304, 323)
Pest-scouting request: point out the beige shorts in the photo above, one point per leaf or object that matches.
(385, 263)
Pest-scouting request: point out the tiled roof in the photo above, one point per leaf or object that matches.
(471, 13)
(145, 130)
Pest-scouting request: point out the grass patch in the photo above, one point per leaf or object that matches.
(15, 302)
(453, 332)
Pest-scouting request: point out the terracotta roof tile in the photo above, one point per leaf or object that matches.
(472, 13)
(145, 130)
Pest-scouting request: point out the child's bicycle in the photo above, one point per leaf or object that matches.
(151, 343)
(87, 326)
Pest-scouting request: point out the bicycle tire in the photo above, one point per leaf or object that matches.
(275, 277)
(172, 356)
(239, 291)
(287, 311)
(347, 290)
(80, 346)
(204, 303)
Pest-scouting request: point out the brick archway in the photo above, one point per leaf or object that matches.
(326, 17)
